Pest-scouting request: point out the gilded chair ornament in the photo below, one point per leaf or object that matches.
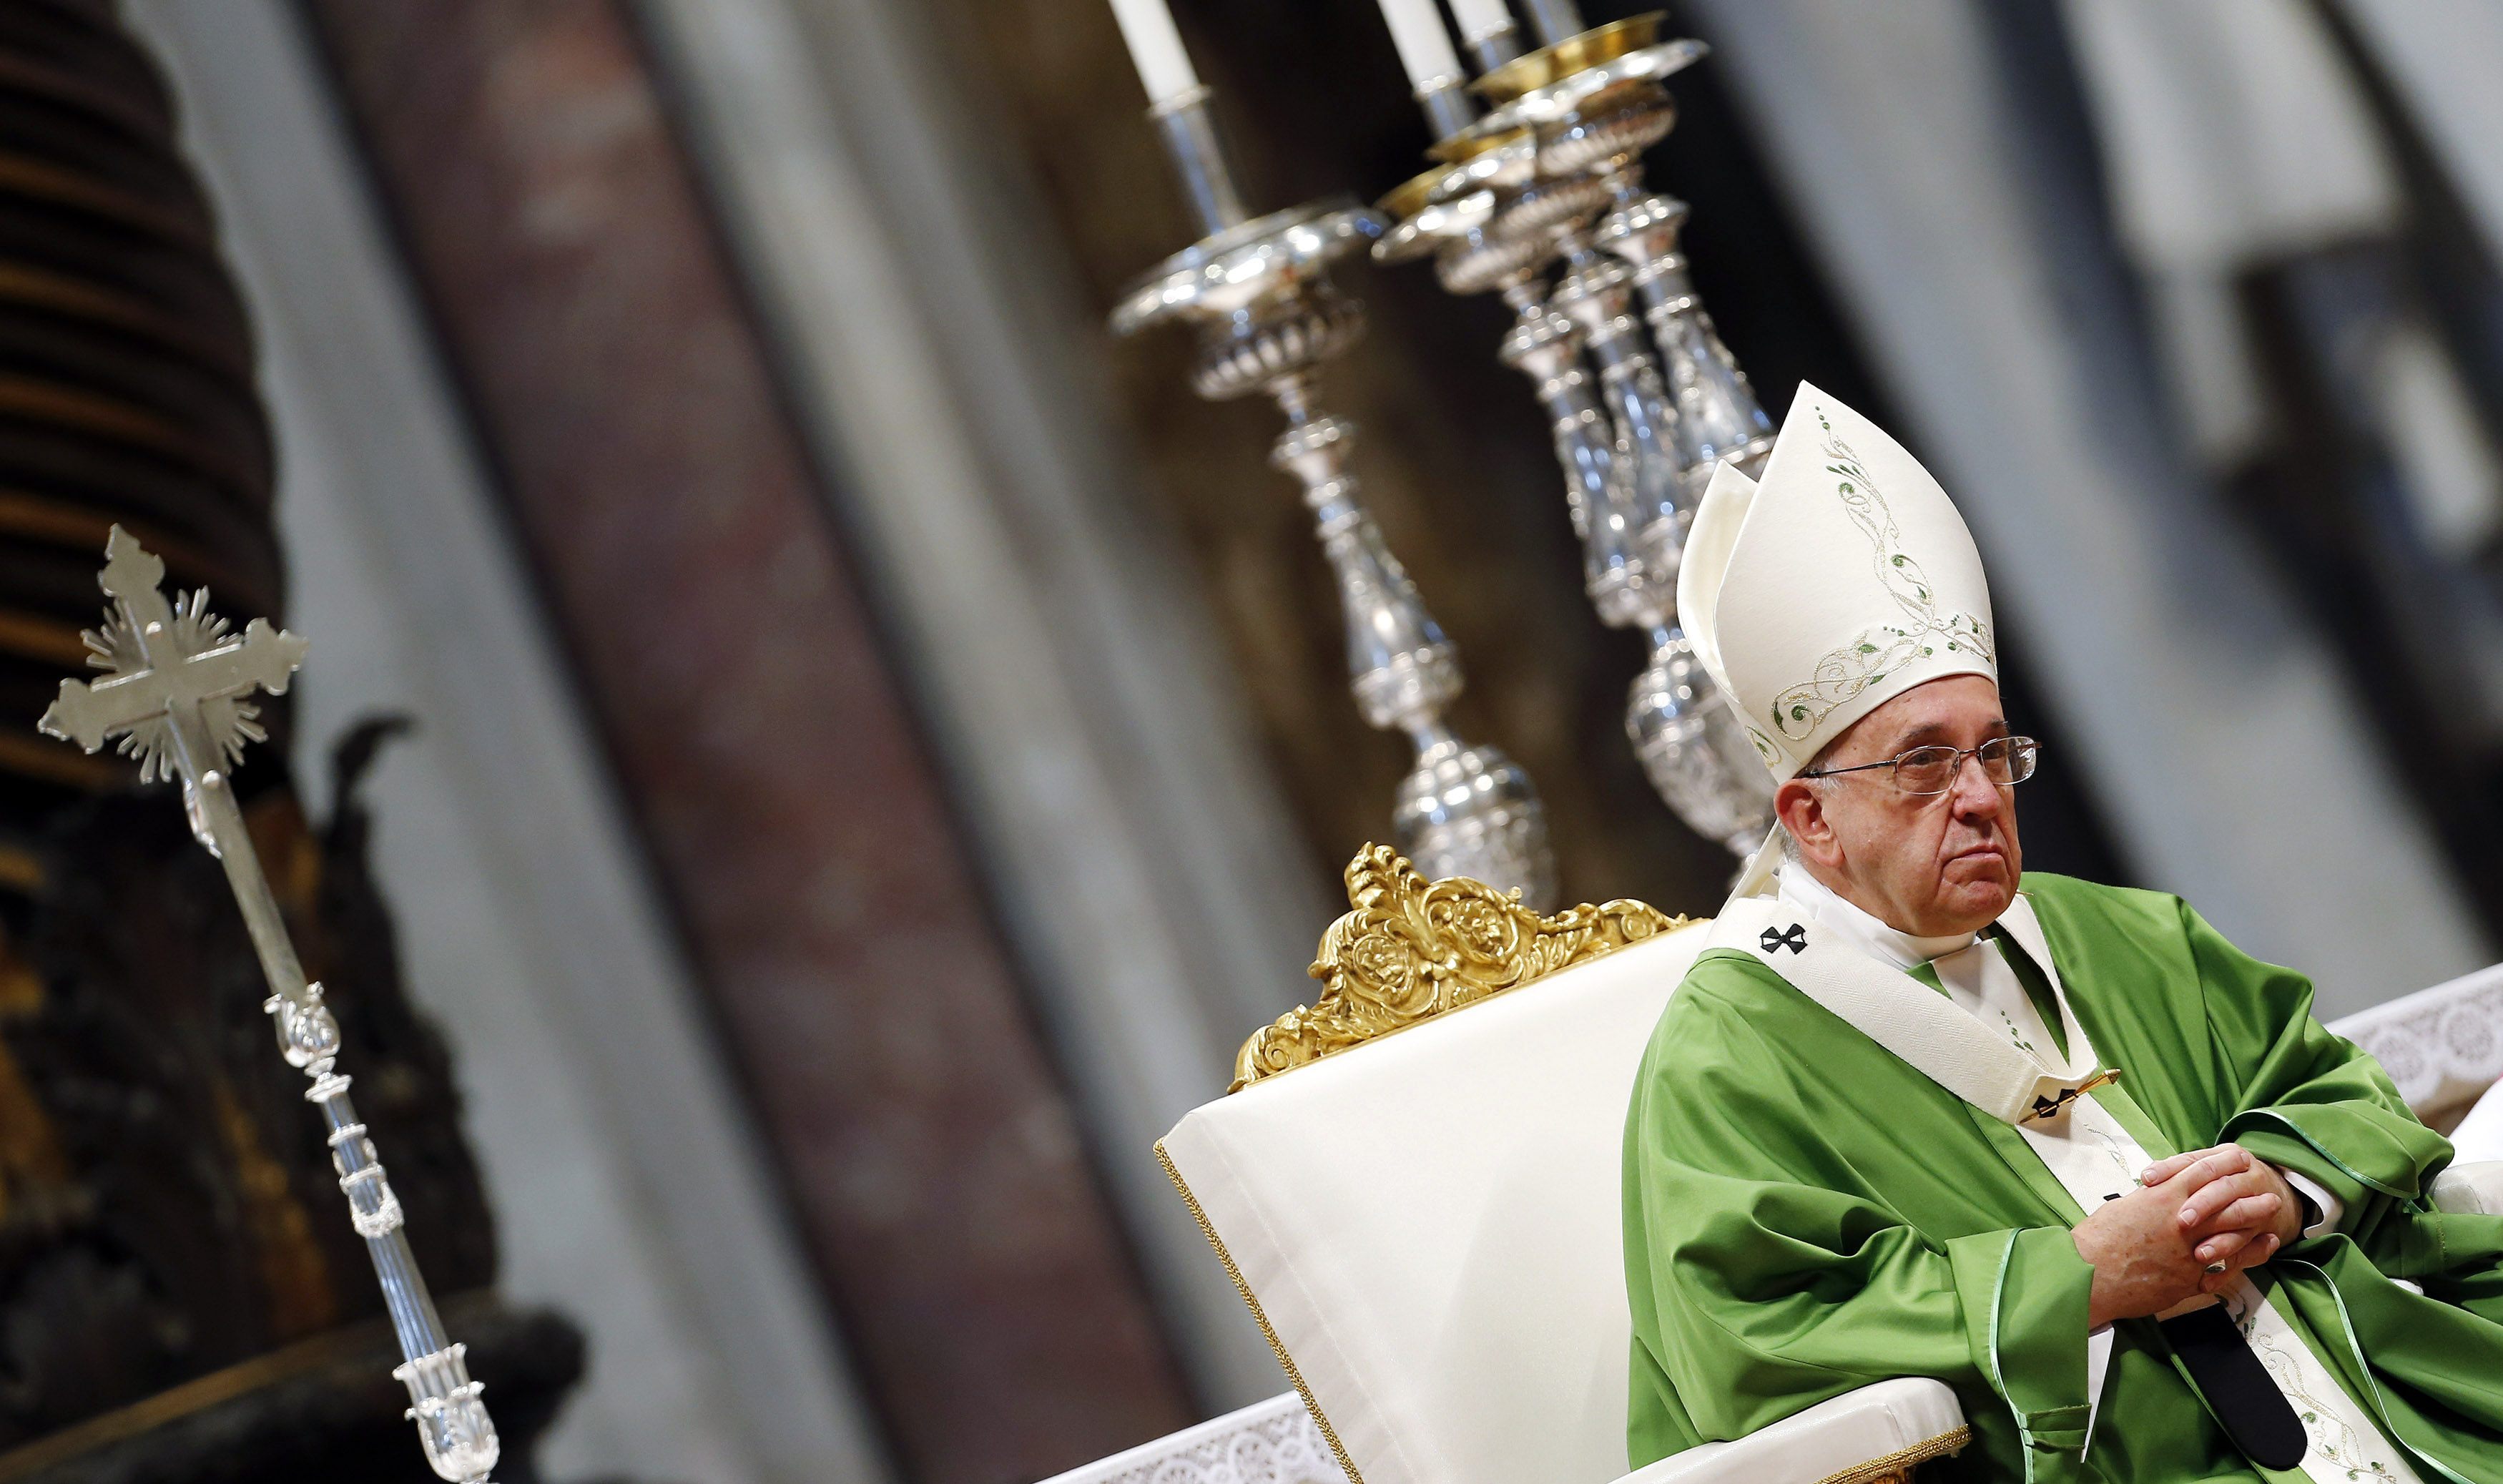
(1411, 949)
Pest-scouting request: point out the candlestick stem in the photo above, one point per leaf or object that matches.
(1199, 162)
(1493, 47)
(1554, 19)
(1447, 107)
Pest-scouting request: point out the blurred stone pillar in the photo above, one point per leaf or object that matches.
(758, 735)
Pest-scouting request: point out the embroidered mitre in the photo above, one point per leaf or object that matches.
(1841, 578)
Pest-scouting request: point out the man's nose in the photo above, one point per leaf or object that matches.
(1975, 795)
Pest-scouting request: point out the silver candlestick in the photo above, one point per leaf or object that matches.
(1718, 417)
(1553, 176)
(1594, 103)
(1691, 746)
(176, 694)
(1594, 294)
(1617, 575)
(1495, 226)
(1492, 226)
(1269, 316)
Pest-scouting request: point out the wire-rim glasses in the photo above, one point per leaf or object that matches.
(2004, 761)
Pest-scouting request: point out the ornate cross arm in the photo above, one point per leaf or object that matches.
(176, 694)
(176, 684)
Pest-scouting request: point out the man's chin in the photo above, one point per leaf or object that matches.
(1978, 885)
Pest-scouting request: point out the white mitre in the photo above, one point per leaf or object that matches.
(1841, 578)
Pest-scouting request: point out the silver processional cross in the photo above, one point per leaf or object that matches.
(176, 694)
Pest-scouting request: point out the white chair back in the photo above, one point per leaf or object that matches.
(1430, 1226)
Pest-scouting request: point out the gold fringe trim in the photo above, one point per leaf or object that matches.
(1330, 1434)
(1900, 1464)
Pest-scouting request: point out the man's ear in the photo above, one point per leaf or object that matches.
(1799, 804)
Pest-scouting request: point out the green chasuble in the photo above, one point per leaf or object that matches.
(1806, 1214)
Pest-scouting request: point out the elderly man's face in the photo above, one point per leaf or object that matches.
(1927, 865)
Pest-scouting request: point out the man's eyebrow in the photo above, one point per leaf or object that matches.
(1933, 731)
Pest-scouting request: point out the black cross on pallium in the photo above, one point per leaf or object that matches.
(2052, 1107)
(2049, 1107)
(1793, 938)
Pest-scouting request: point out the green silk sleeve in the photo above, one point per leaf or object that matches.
(2023, 1295)
(2303, 1099)
(1767, 1282)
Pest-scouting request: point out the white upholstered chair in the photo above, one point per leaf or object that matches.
(1427, 1226)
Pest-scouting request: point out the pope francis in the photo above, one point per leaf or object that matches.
(2060, 1145)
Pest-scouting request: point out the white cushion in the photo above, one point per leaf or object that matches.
(1432, 1226)
(2470, 1189)
(2480, 1135)
(1850, 1430)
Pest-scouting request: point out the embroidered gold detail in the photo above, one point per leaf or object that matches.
(1897, 1468)
(1878, 651)
(1412, 950)
(1260, 1317)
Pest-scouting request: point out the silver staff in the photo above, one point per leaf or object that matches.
(175, 692)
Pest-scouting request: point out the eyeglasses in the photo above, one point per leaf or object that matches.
(2004, 761)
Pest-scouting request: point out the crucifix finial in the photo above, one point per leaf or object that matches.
(176, 684)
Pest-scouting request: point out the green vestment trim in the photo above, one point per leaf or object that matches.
(1806, 1215)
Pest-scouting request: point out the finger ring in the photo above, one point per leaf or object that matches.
(2216, 1267)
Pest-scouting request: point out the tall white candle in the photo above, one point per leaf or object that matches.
(1425, 42)
(1481, 18)
(1156, 47)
